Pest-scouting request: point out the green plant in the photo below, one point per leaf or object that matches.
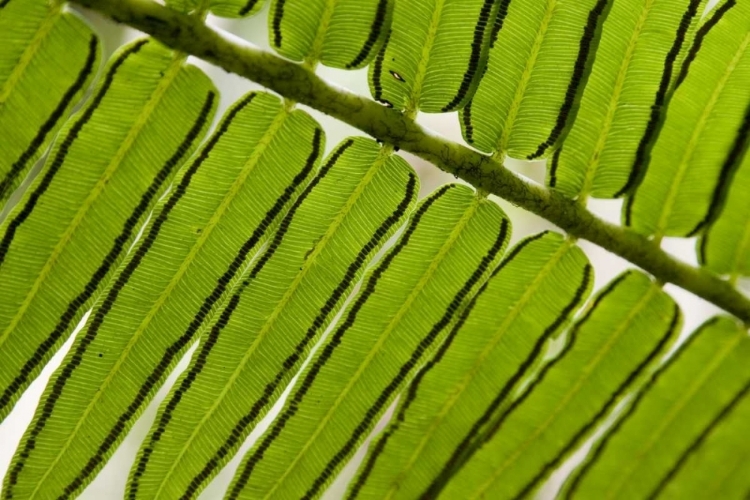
(502, 364)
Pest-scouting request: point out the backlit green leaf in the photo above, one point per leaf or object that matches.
(48, 56)
(725, 248)
(498, 336)
(705, 131)
(718, 461)
(290, 294)
(402, 312)
(61, 243)
(537, 63)
(642, 45)
(225, 203)
(649, 444)
(435, 54)
(630, 324)
(338, 33)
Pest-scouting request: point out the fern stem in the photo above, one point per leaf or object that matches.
(295, 82)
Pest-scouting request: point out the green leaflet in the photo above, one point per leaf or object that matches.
(435, 54)
(222, 8)
(225, 203)
(685, 398)
(61, 243)
(255, 347)
(47, 59)
(704, 134)
(638, 58)
(536, 66)
(538, 286)
(725, 247)
(718, 464)
(339, 33)
(629, 326)
(406, 302)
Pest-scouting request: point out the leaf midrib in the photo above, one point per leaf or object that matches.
(316, 50)
(614, 104)
(477, 365)
(417, 290)
(213, 222)
(412, 106)
(515, 106)
(271, 320)
(143, 118)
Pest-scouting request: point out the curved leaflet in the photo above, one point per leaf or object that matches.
(226, 202)
(536, 65)
(396, 320)
(621, 108)
(342, 34)
(49, 57)
(435, 54)
(64, 239)
(658, 429)
(288, 297)
(529, 292)
(607, 352)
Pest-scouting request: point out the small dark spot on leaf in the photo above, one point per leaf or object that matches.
(100, 354)
(397, 76)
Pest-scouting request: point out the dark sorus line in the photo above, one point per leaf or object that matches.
(497, 26)
(6, 184)
(464, 451)
(468, 127)
(278, 16)
(553, 168)
(248, 7)
(475, 58)
(700, 35)
(199, 363)
(383, 399)
(605, 409)
(177, 347)
(77, 358)
(377, 71)
(502, 13)
(328, 349)
(413, 389)
(587, 46)
(376, 30)
(62, 151)
(164, 419)
(291, 361)
(728, 169)
(284, 226)
(658, 108)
